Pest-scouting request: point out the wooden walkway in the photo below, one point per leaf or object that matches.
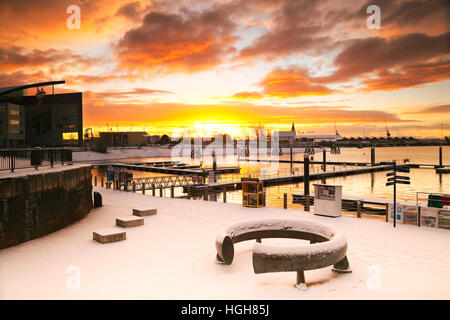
(178, 169)
(282, 180)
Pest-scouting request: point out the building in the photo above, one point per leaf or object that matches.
(123, 138)
(320, 138)
(12, 125)
(287, 137)
(44, 119)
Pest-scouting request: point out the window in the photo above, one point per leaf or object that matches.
(70, 135)
(14, 112)
(14, 122)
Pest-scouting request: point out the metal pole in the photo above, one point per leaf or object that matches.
(143, 187)
(440, 156)
(395, 194)
(306, 180)
(172, 192)
(285, 201)
(324, 160)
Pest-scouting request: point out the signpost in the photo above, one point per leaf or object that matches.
(393, 179)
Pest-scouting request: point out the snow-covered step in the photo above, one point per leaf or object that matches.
(144, 212)
(129, 221)
(109, 235)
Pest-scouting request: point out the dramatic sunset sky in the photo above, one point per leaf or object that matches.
(227, 65)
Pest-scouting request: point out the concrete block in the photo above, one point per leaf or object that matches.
(109, 235)
(144, 212)
(129, 221)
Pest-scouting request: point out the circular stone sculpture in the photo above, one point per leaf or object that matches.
(327, 246)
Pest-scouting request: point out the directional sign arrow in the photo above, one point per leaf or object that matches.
(403, 182)
(402, 177)
(391, 179)
(389, 183)
(402, 169)
(390, 174)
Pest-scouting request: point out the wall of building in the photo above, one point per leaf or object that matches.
(12, 125)
(37, 204)
(62, 113)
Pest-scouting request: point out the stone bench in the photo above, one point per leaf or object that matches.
(129, 221)
(327, 246)
(144, 212)
(109, 235)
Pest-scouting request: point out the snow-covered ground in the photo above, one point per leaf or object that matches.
(172, 256)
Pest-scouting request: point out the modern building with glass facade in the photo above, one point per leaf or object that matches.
(41, 119)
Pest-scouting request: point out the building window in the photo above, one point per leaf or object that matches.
(14, 112)
(14, 122)
(70, 135)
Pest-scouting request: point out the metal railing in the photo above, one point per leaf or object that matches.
(11, 159)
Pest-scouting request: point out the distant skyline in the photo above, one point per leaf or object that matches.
(226, 66)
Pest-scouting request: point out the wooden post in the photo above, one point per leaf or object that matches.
(358, 208)
(143, 187)
(95, 181)
(153, 190)
(172, 192)
(306, 208)
(205, 194)
(372, 156)
(387, 212)
(324, 160)
(134, 186)
(189, 192)
(418, 216)
(440, 156)
(224, 195)
(285, 201)
(161, 192)
(103, 182)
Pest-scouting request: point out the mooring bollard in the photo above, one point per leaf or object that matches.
(358, 208)
(172, 192)
(143, 187)
(285, 201)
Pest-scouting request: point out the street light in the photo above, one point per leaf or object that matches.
(40, 93)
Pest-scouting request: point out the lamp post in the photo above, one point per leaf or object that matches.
(40, 96)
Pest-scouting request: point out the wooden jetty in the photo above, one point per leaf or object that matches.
(280, 180)
(175, 169)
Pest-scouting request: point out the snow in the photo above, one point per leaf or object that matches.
(32, 171)
(173, 256)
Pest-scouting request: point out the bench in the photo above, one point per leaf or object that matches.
(327, 246)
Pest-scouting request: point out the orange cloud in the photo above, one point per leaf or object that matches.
(187, 42)
(291, 83)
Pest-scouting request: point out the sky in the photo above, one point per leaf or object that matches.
(228, 66)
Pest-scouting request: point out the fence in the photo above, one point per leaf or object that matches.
(11, 159)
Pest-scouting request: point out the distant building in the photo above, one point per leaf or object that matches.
(124, 138)
(43, 119)
(320, 138)
(153, 139)
(287, 136)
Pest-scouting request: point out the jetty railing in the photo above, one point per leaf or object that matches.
(11, 159)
